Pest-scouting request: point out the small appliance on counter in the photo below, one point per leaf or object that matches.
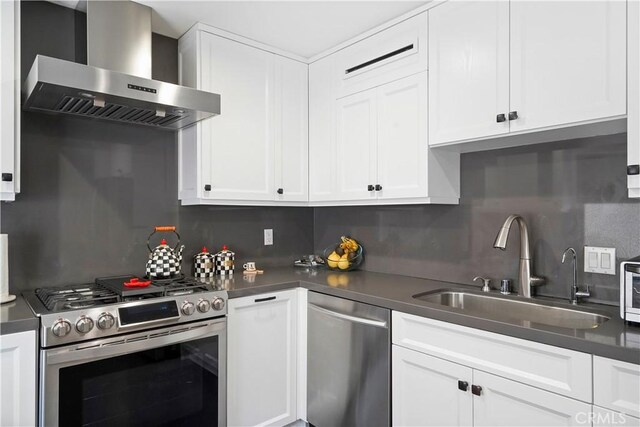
(224, 261)
(630, 290)
(164, 261)
(204, 264)
(309, 261)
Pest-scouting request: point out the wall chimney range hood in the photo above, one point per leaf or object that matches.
(116, 84)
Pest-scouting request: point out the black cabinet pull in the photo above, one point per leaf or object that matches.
(476, 389)
(513, 115)
(501, 118)
(264, 299)
(463, 385)
(378, 187)
(631, 170)
(280, 191)
(207, 187)
(7, 177)
(370, 187)
(378, 59)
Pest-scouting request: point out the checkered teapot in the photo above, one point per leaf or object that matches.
(164, 262)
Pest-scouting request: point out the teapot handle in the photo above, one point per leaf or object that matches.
(160, 229)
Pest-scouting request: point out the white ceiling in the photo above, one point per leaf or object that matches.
(305, 28)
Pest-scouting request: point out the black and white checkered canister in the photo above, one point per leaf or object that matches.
(204, 264)
(224, 262)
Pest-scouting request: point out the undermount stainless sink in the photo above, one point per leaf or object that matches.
(514, 309)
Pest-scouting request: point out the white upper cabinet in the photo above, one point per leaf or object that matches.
(255, 151)
(388, 55)
(237, 146)
(568, 62)
(633, 98)
(10, 99)
(508, 68)
(468, 70)
(292, 132)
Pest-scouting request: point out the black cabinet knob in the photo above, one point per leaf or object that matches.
(207, 187)
(631, 170)
(280, 191)
(7, 177)
(513, 115)
(501, 118)
(370, 187)
(378, 187)
(476, 389)
(463, 385)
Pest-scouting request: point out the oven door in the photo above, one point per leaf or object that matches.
(173, 376)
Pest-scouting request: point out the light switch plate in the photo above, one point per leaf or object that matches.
(268, 236)
(600, 260)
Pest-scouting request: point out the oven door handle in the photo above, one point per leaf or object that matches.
(116, 346)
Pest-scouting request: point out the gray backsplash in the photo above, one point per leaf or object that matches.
(571, 193)
(92, 191)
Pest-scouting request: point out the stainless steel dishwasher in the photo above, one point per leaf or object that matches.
(348, 380)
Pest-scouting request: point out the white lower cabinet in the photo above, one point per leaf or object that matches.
(262, 366)
(616, 385)
(428, 391)
(449, 375)
(502, 402)
(601, 417)
(18, 386)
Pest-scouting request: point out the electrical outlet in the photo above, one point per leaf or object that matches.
(600, 260)
(268, 236)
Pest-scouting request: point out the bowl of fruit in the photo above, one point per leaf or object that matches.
(345, 256)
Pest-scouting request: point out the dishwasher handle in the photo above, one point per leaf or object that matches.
(355, 319)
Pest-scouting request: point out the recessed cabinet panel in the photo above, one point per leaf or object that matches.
(428, 391)
(402, 138)
(291, 130)
(503, 402)
(568, 62)
(355, 146)
(468, 70)
(616, 385)
(237, 147)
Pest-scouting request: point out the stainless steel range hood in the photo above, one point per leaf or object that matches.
(116, 84)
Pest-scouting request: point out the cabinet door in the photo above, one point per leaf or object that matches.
(261, 366)
(633, 97)
(322, 134)
(18, 386)
(602, 417)
(425, 390)
(508, 403)
(237, 152)
(10, 99)
(356, 146)
(616, 385)
(292, 116)
(568, 62)
(402, 138)
(468, 70)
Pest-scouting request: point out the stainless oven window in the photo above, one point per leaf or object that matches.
(173, 385)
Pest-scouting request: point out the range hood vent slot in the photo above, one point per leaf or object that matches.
(120, 113)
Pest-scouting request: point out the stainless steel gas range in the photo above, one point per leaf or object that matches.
(143, 354)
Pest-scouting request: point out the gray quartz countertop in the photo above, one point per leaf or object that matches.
(614, 339)
(16, 316)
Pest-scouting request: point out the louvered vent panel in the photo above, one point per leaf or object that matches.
(121, 113)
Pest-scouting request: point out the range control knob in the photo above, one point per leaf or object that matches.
(84, 324)
(217, 303)
(203, 306)
(106, 321)
(61, 328)
(188, 308)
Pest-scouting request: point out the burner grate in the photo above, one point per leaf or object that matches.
(75, 296)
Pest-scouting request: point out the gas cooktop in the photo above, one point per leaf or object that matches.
(106, 307)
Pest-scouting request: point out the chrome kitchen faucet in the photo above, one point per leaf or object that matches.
(575, 292)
